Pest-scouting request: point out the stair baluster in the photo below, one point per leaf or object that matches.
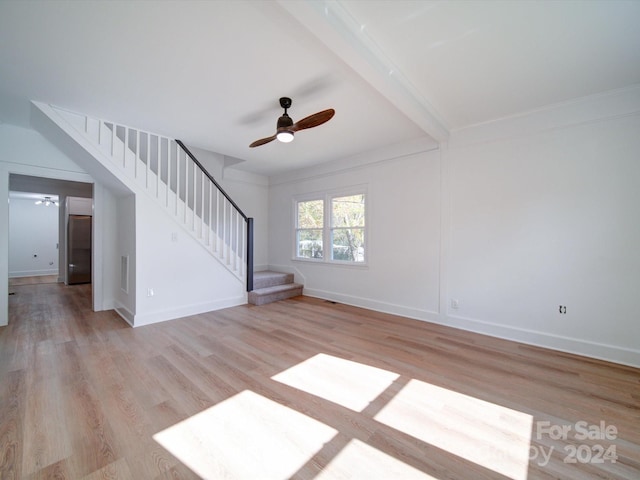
(214, 220)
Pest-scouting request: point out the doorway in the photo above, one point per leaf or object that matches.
(79, 221)
(33, 237)
(24, 188)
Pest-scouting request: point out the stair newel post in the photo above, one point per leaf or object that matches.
(169, 145)
(195, 198)
(210, 204)
(178, 178)
(249, 254)
(202, 207)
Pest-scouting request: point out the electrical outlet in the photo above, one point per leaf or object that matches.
(562, 309)
(455, 303)
(150, 292)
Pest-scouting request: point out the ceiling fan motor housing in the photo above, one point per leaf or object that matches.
(284, 121)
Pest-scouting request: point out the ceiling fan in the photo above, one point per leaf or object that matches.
(286, 128)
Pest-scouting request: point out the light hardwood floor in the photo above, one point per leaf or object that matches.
(301, 388)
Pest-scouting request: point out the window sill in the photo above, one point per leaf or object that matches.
(332, 263)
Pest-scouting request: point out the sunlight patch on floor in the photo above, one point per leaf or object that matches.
(246, 436)
(350, 384)
(484, 433)
(361, 461)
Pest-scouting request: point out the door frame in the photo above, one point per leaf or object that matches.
(7, 169)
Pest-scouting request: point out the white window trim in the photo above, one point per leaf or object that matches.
(326, 196)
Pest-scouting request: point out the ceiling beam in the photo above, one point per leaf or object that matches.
(334, 26)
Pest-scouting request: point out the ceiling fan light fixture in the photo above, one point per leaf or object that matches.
(286, 128)
(285, 137)
(46, 201)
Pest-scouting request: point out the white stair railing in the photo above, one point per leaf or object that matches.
(168, 172)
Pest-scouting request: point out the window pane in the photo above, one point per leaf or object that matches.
(309, 243)
(347, 244)
(347, 211)
(310, 214)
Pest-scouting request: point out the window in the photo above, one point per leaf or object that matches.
(310, 228)
(343, 227)
(347, 228)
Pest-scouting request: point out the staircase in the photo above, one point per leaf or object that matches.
(165, 170)
(273, 286)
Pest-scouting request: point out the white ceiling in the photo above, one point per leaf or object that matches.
(32, 196)
(210, 73)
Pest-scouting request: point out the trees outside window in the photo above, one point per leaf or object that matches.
(343, 227)
(347, 228)
(309, 229)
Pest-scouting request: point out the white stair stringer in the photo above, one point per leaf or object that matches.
(159, 167)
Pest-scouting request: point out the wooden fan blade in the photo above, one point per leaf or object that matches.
(313, 120)
(262, 141)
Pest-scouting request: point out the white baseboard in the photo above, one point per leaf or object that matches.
(368, 303)
(33, 273)
(600, 351)
(187, 310)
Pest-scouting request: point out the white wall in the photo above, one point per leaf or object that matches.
(79, 206)
(125, 287)
(513, 218)
(107, 228)
(251, 194)
(185, 278)
(33, 238)
(403, 218)
(544, 212)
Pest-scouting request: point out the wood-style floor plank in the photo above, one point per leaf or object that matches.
(332, 391)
